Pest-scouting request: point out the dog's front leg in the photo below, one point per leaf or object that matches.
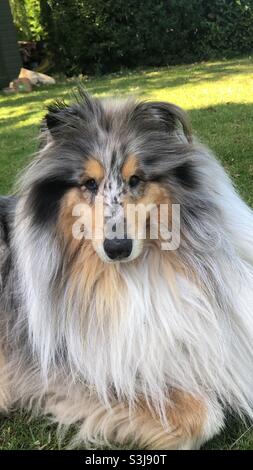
(190, 422)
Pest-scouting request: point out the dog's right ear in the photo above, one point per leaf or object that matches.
(58, 116)
(62, 117)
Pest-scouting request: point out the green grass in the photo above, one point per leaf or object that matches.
(219, 99)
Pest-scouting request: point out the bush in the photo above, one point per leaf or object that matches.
(26, 15)
(104, 35)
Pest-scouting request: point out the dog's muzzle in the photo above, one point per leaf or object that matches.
(117, 248)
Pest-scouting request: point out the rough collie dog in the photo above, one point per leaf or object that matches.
(131, 342)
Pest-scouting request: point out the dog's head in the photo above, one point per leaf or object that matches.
(105, 168)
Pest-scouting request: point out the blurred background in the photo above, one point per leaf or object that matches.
(100, 36)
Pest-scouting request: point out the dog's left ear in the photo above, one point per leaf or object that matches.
(162, 115)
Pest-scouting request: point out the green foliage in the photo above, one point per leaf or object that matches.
(104, 35)
(26, 16)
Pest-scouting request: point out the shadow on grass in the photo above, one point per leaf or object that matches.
(236, 435)
(146, 81)
(11, 122)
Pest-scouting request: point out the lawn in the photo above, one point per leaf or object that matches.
(219, 99)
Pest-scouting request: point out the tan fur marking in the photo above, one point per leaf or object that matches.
(94, 169)
(154, 195)
(66, 219)
(186, 417)
(108, 292)
(187, 414)
(129, 168)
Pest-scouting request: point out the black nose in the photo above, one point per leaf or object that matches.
(118, 248)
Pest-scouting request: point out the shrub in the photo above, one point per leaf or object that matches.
(26, 15)
(105, 35)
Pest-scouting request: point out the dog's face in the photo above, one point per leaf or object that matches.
(105, 168)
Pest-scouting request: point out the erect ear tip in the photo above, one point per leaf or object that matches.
(55, 112)
(51, 120)
(61, 115)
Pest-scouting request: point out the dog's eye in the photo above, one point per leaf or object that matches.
(91, 185)
(134, 181)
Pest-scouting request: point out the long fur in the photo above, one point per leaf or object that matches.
(128, 330)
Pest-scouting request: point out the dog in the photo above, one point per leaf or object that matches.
(130, 341)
